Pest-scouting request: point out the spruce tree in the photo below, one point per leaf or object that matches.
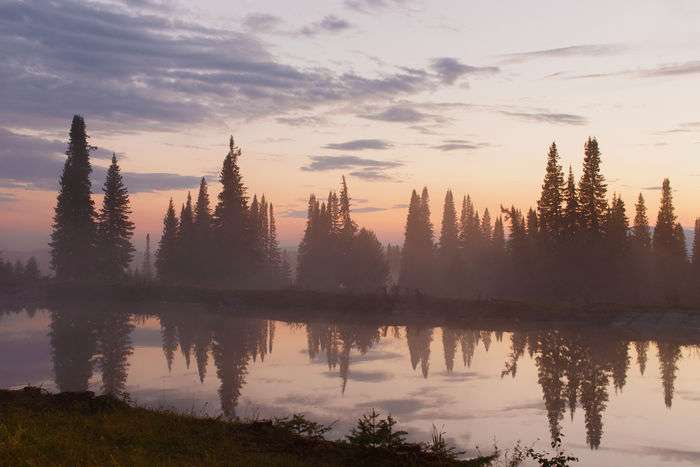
(665, 245)
(369, 265)
(166, 256)
(114, 229)
(617, 244)
(641, 232)
(347, 225)
(74, 230)
(186, 242)
(413, 257)
(273, 251)
(550, 203)
(202, 252)
(307, 253)
(264, 215)
(695, 258)
(31, 270)
(591, 192)
(486, 231)
(448, 247)
(449, 234)
(570, 215)
(146, 269)
(663, 240)
(499, 236)
(231, 221)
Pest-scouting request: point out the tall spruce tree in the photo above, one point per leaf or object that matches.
(347, 225)
(695, 254)
(666, 249)
(570, 215)
(114, 229)
(166, 256)
(448, 247)
(74, 229)
(202, 252)
(499, 237)
(274, 258)
(146, 268)
(231, 222)
(417, 250)
(186, 242)
(486, 229)
(663, 241)
(591, 192)
(550, 203)
(641, 232)
(449, 232)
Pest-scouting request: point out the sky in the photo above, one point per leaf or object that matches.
(393, 94)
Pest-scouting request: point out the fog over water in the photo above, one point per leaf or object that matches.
(615, 400)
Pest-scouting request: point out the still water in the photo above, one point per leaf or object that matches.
(617, 402)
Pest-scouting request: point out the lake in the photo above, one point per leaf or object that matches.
(616, 401)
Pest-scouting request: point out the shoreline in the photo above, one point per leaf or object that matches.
(640, 322)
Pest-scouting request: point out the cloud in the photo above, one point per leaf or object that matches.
(370, 6)
(262, 22)
(296, 214)
(652, 188)
(686, 127)
(450, 69)
(302, 120)
(459, 145)
(400, 206)
(369, 209)
(36, 163)
(585, 50)
(687, 68)
(7, 197)
(359, 145)
(400, 114)
(134, 71)
(323, 163)
(330, 23)
(548, 117)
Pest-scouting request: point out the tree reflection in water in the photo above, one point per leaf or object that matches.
(574, 368)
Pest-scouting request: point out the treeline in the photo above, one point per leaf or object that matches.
(235, 245)
(19, 272)
(334, 254)
(574, 245)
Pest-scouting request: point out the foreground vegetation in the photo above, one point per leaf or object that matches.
(38, 428)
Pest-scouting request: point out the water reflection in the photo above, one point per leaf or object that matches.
(575, 370)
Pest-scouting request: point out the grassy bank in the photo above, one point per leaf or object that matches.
(72, 429)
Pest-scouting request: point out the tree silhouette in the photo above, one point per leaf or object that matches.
(549, 205)
(74, 230)
(146, 269)
(591, 192)
(417, 251)
(167, 254)
(231, 221)
(202, 254)
(114, 229)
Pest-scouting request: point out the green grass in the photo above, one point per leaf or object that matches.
(37, 429)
